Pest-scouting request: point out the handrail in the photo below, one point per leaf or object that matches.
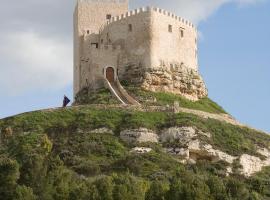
(121, 94)
(125, 94)
(113, 91)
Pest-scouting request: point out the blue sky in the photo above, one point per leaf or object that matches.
(234, 53)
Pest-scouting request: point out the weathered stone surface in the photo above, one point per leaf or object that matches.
(229, 171)
(102, 131)
(184, 81)
(252, 164)
(190, 146)
(181, 152)
(141, 150)
(139, 135)
(207, 151)
(263, 151)
(181, 134)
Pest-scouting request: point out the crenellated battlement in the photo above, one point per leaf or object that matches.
(102, 1)
(172, 15)
(148, 9)
(128, 14)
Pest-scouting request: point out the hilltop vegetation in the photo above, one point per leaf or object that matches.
(103, 96)
(56, 154)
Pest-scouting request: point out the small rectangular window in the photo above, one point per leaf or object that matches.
(94, 45)
(130, 27)
(101, 41)
(108, 16)
(181, 33)
(170, 28)
(88, 31)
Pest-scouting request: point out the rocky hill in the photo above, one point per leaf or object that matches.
(168, 148)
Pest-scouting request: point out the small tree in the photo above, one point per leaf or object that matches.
(9, 174)
(157, 191)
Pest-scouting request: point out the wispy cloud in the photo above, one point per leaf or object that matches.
(31, 62)
(194, 10)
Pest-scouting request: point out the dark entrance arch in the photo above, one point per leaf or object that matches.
(110, 74)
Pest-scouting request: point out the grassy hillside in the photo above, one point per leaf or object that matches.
(55, 154)
(103, 96)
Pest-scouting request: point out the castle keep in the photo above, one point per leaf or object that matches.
(147, 47)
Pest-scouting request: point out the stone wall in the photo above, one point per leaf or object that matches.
(174, 47)
(88, 17)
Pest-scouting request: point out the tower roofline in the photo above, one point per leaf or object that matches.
(102, 1)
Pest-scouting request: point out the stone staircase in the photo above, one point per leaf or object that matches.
(119, 92)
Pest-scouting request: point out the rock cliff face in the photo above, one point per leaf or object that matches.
(186, 145)
(139, 135)
(178, 80)
(183, 81)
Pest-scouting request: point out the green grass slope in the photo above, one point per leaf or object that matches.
(55, 155)
(103, 96)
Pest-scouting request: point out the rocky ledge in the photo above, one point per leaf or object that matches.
(187, 146)
(182, 80)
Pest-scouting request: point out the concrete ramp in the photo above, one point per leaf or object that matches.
(120, 93)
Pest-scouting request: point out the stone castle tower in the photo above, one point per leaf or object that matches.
(148, 47)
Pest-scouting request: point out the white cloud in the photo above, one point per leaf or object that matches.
(32, 62)
(194, 10)
(246, 2)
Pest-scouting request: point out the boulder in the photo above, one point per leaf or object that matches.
(139, 135)
(141, 150)
(251, 164)
(102, 131)
(207, 151)
(181, 134)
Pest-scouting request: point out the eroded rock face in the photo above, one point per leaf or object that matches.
(185, 143)
(139, 135)
(181, 134)
(102, 131)
(190, 147)
(181, 80)
(252, 164)
(181, 152)
(263, 151)
(141, 150)
(199, 149)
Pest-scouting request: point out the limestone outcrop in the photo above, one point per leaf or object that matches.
(181, 134)
(103, 130)
(199, 150)
(253, 164)
(188, 146)
(141, 150)
(139, 135)
(181, 80)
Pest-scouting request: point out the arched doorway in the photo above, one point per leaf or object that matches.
(110, 74)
